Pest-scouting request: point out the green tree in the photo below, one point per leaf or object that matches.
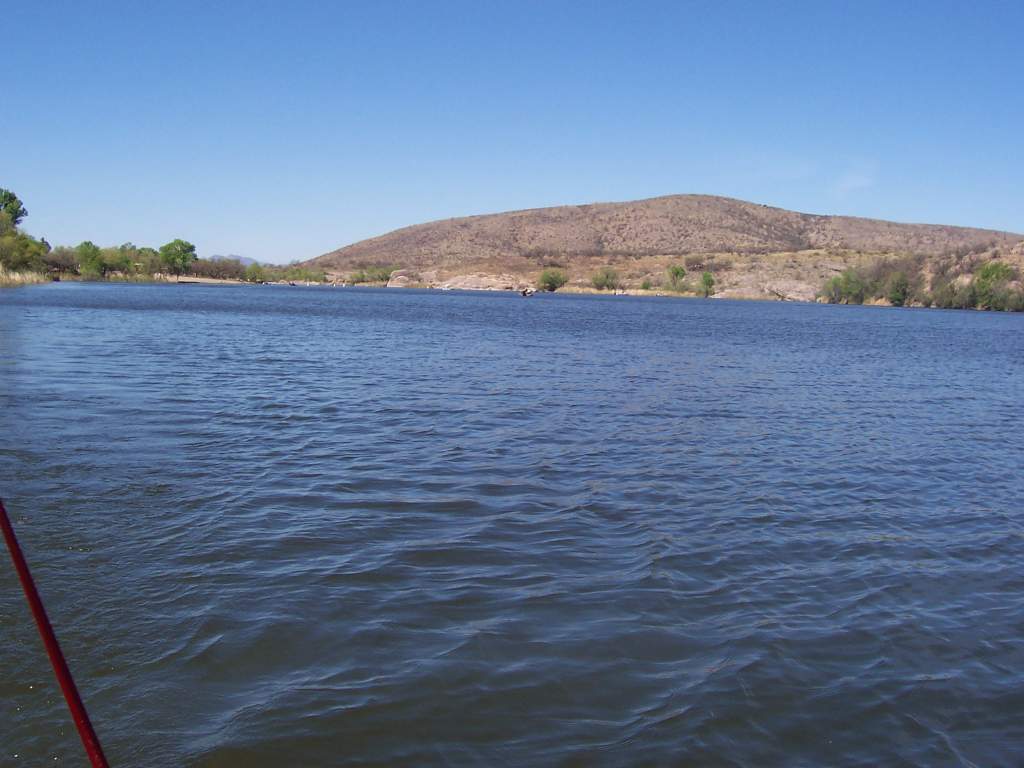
(899, 289)
(90, 260)
(990, 287)
(551, 280)
(117, 260)
(853, 287)
(255, 273)
(12, 206)
(371, 275)
(833, 291)
(707, 283)
(605, 279)
(177, 256)
(148, 260)
(676, 275)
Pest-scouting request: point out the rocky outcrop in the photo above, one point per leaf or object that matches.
(479, 282)
(401, 278)
(790, 290)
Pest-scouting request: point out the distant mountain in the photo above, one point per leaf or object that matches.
(641, 238)
(244, 259)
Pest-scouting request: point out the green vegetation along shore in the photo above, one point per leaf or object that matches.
(969, 275)
(25, 259)
(948, 284)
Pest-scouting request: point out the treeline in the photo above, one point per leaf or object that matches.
(234, 269)
(24, 254)
(21, 256)
(905, 281)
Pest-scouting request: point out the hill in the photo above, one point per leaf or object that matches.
(753, 250)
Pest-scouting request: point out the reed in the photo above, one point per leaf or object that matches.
(12, 279)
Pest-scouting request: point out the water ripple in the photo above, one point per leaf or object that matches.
(357, 527)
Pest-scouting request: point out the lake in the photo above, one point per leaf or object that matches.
(309, 526)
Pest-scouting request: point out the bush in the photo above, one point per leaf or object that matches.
(646, 284)
(606, 279)
(372, 275)
(990, 285)
(551, 280)
(707, 283)
(19, 251)
(899, 289)
(255, 273)
(847, 288)
(676, 275)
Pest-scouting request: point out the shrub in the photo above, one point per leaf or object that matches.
(899, 289)
(990, 284)
(847, 288)
(646, 284)
(676, 275)
(606, 279)
(372, 275)
(551, 280)
(707, 283)
(255, 273)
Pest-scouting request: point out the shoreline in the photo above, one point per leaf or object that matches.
(23, 279)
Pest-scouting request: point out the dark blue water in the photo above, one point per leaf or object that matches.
(320, 527)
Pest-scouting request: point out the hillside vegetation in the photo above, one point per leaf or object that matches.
(751, 250)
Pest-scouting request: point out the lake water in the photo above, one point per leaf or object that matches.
(317, 527)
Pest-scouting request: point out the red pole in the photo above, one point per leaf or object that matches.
(60, 666)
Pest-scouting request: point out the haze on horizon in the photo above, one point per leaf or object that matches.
(281, 134)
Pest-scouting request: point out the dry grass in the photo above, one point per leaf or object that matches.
(680, 226)
(754, 251)
(14, 279)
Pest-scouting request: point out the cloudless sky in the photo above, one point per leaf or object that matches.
(283, 130)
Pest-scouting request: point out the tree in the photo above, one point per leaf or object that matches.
(676, 275)
(605, 278)
(12, 206)
(855, 288)
(117, 260)
(255, 273)
(61, 259)
(551, 280)
(707, 282)
(177, 256)
(899, 289)
(990, 284)
(90, 260)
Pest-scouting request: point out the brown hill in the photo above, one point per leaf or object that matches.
(745, 243)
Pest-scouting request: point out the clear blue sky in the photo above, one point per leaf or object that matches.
(283, 130)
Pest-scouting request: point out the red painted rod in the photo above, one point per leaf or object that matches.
(60, 666)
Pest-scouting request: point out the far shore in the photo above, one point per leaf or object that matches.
(18, 279)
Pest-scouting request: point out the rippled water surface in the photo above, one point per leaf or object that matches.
(321, 527)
